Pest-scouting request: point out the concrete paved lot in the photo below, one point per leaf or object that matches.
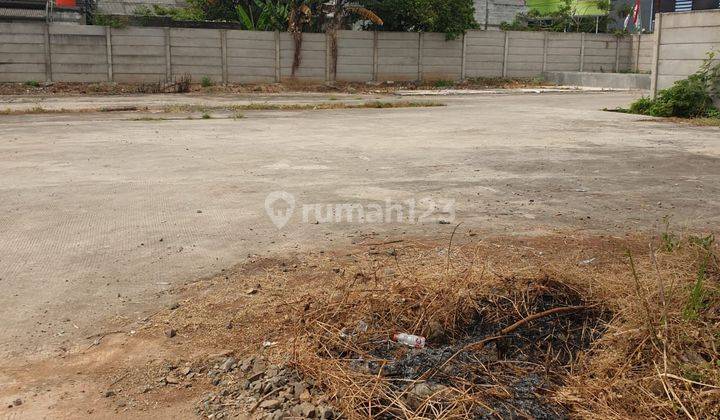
(99, 213)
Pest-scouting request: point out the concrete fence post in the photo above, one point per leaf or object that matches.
(462, 58)
(328, 56)
(109, 53)
(375, 56)
(168, 57)
(506, 50)
(277, 56)
(223, 55)
(656, 55)
(637, 42)
(420, 56)
(48, 55)
(582, 51)
(617, 54)
(545, 51)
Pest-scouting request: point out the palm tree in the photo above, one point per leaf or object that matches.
(332, 15)
(342, 9)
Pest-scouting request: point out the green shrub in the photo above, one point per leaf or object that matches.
(206, 82)
(641, 106)
(189, 13)
(116, 22)
(687, 98)
(443, 83)
(563, 19)
(451, 17)
(32, 83)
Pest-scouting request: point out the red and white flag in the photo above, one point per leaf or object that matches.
(636, 13)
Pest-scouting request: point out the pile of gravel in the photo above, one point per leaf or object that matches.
(262, 391)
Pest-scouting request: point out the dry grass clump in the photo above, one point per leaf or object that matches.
(269, 106)
(659, 357)
(516, 332)
(478, 345)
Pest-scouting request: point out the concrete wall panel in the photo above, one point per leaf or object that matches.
(312, 58)
(398, 55)
(685, 39)
(355, 62)
(22, 52)
(441, 58)
(153, 54)
(139, 55)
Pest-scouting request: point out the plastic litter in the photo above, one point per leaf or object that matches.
(410, 340)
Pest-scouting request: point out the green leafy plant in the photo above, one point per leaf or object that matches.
(669, 241)
(205, 116)
(117, 22)
(687, 98)
(443, 83)
(271, 15)
(451, 17)
(32, 83)
(189, 13)
(698, 295)
(206, 81)
(563, 19)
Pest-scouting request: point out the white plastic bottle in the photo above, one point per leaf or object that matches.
(410, 340)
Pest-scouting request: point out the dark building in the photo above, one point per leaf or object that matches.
(664, 6)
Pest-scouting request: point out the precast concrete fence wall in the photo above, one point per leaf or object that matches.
(682, 43)
(56, 52)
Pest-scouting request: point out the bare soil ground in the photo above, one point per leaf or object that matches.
(69, 88)
(228, 344)
(142, 277)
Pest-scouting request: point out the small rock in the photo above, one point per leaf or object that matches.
(270, 404)
(251, 291)
(307, 410)
(305, 395)
(436, 331)
(185, 371)
(325, 412)
(228, 364)
(174, 306)
(247, 363)
(271, 372)
(170, 333)
(172, 379)
(298, 388)
(109, 393)
(258, 366)
(17, 402)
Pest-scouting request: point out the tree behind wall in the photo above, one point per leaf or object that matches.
(565, 16)
(451, 17)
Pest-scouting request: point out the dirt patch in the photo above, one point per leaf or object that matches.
(233, 109)
(68, 88)
(544, 327)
